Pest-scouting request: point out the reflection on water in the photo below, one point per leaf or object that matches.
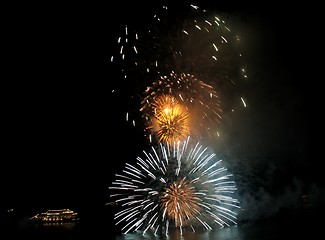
(232, 232)
(284, 226)
(299, 224)
(57, 225)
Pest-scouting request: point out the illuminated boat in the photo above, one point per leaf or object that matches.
(56, 216)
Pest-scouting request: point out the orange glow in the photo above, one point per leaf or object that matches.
(180, 202)
(171, 120)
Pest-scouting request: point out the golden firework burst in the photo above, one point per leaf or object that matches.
(180, 203)
(180, 105)
(171, 120)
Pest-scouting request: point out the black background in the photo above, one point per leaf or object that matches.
(63, 134)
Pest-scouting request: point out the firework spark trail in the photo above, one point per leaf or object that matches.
(175, 186)
(191, 41)
(180, 105)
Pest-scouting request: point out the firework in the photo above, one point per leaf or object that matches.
(180, 105)
(175, 187)
(170, 120)
(191, 41)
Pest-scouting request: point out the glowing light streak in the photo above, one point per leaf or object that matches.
(173, 192)
(244, 103)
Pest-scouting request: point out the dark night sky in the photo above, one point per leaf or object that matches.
(64, 136)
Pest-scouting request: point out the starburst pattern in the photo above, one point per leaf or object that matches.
(196, 108)
(180, 186)
(170, 119)
(180, 203)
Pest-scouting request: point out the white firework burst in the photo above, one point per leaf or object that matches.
(179, 186)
